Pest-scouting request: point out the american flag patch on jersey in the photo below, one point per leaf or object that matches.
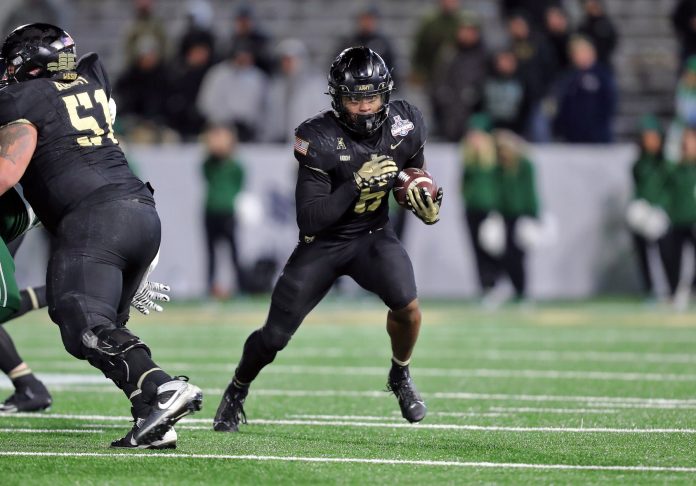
(301, 145)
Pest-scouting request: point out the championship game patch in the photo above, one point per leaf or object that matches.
(401, 127)
(301, 146)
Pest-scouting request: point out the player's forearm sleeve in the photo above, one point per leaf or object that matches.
(318, 207)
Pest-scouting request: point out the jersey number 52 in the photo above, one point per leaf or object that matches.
(89, 123)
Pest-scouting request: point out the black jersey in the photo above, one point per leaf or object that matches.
(77, 158)
(329, 204)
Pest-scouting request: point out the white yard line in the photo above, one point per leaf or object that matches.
(658, 403)
(509, 410)
(485, 373)
(394, 418)
(51, 431)
(400, 425)
(357, 460)
(420, 372)
(52, 359)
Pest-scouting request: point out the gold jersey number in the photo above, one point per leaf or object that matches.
(369, 201)
(89, 123)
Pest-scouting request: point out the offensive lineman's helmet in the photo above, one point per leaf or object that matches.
(358, 72)
(37, 51)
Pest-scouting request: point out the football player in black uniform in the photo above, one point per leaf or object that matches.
(56, 138)
(348, 159)
(16, 218)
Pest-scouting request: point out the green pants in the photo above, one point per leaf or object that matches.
(9, 292)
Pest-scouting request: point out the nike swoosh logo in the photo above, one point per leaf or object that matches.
(168, 403)
(396, 144)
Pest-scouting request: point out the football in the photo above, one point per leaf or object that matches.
(413, 177)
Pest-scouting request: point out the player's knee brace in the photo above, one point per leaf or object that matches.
(106, 349)
(69, 312)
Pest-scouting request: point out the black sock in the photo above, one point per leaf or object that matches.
(9, 358)
(239, 385)
(397, 371)
(25, 381)
(141, 402)
(255, 356)
(31, 299)
(139, 364)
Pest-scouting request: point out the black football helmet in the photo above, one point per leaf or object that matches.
(358, 72)
(37, 51)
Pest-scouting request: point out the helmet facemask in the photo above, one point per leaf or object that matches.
(355, 74)
(362, 124)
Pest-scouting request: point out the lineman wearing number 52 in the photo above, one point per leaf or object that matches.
(56, 139)
(348, 160)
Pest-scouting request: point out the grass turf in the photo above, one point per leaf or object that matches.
(521, 395)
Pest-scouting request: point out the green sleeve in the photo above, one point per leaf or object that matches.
(9, 292)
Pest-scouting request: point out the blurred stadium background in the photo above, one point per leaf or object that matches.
(584, 188)
(590, 391)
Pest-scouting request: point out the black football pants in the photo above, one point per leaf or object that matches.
(376, 261)
(99, 256)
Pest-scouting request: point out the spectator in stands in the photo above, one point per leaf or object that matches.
(558, 32)
(367, 33)
(586, 97)
(684, 22)
(505, 94)
(518, 204)
(480, 194)
(435, 30)
(684, 109)
(140, 93)
(295, 92)
(458, 78)
(247, 35)
(682, 214)
(598, 27)
(534, 9)
(224, 179)
(685, 97)
(646, 214)
(185, 78)
(146, 29)
(233, 93)
(536, 65)
(199, 28)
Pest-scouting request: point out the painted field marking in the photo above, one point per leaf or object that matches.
(509, 410)
(357, 460)
(51, 431)
(402, 425)
(594, 401)
(50, 359)
(430, 372)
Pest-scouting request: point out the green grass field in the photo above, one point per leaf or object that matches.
(560, 393)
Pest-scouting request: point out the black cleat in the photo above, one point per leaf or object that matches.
(168, 441)
(231, 410)
(175, 399)
(412, 405)
(30, 399)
